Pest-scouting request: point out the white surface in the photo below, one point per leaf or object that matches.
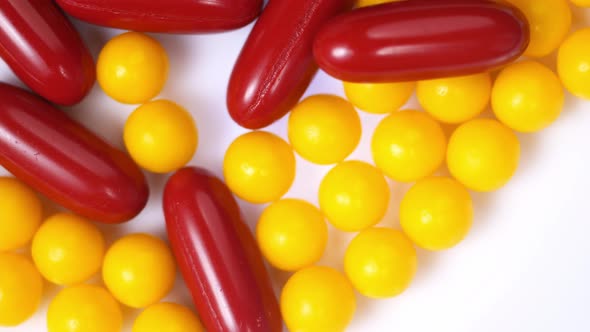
(524, 267)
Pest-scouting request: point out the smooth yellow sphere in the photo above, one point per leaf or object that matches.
(324, 129)
(20, 214)
(318, 299)
(167, 317)
(455, 99)
(527, 96)
(573, 63)
(436, 213)
(380, 262)
(379, 98)
(132, 68)
(581, 3)
(161, 136)
(84, 308)
(139, 270)
(68, 249)
(354, 195)
(259, 167)
(549, 22)
(408, 145)
(21, 288)
(292, 234)
(365, 3)
(483, 154)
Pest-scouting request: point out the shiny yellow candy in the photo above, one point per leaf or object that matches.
(379, 98)
(21, 288)
(365, 3)
(167, 317)
(581, 3)
(20, 214)
(483, 154)
(573, 63)
(84, 308)
(455, 99)
(161, 136)
(324, 129)
(549, 22)
(318, 299)
(292, 234)
(354, 195)
(132, 68)
(408, 145)
(436, 213)
(259, 167)
(380, 262)
(139, 270)
(68, 249)
(527, 96)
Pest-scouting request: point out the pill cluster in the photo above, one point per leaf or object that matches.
(383, 51)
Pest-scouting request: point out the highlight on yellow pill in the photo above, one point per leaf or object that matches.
(259, 167)
(21, 288)
(161, 136)
(21, 212)
(132, 68)
(573, 63)
(354, 195)
(84, 308)
(436, 213)
(379, 98)
(455, 99)
(483, 154)
(68, 249)
(318, 299)
(292, 234)
(380, 262)
(527, 96)
(139, 270)
(324, 129)
(408, 145)
(549, 22)
(167, 317)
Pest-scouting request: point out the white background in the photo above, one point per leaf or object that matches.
(525, 266)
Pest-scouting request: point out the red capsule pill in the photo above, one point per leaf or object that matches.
(170, 16)
(66, 162)
(276, 63)
(218, 255)
(45, 51)
(421, 39)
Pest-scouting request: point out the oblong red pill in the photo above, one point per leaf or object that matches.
(421, 39)
(66, 162)
(165, 16)
(276, 63)
(217, 255)
(45, 51)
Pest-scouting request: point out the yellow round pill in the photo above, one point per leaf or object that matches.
(68, 249)
(527, 96)
(573, 63)
(581, 3)
(167, 317)
(455, 99)
(259, 167)
(483, 154)
(20, 214)
(21, 288)
(380, 262)
(408, 145)
(324, 129)
(379, 98)
(161, 136)
(436, 213)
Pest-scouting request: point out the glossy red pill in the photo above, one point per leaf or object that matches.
(66, 162)
(165, 16)
(45, 51)
(276, 63)
(421, 39)
(217, 255)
